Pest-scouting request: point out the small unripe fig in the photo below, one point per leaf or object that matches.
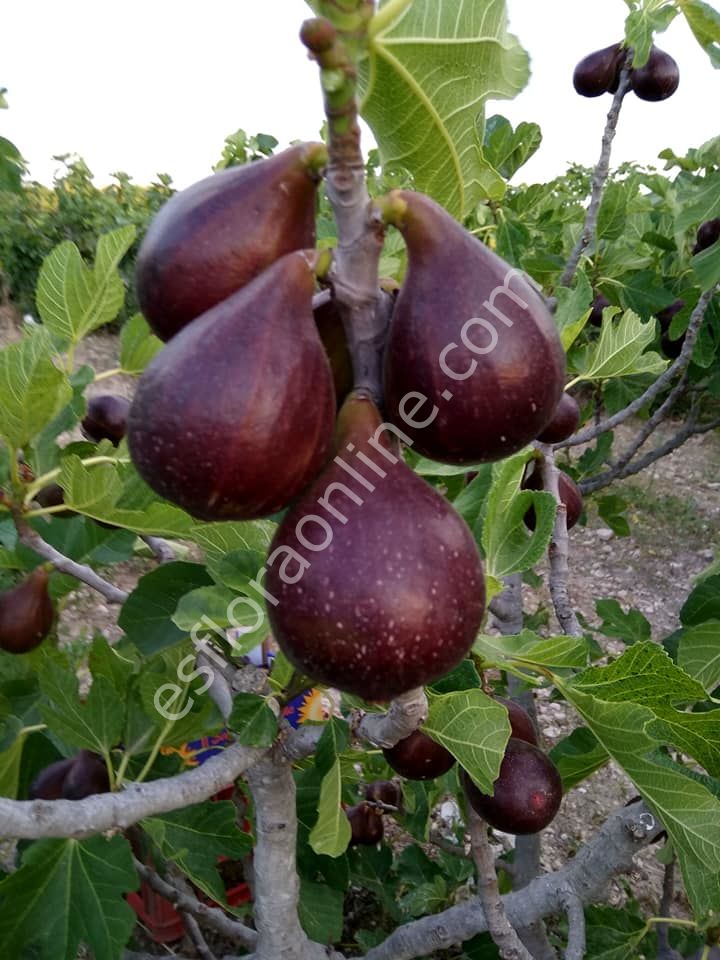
(569, 494)
(707, 235)
(598, 305)
(598, 73)
(658, 79)
(386, 792)
(87, 775)
(564, 423)
(419, 757)
(26, 614)
(366, 824)
(48, 784)
(521, 725)
(527, 794)
(106, 418)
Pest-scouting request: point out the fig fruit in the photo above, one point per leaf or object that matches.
(658, 79)
(374, 582)
(564, 423)
(599, 72)
(665, 317)
(332, 334)
(212, 239)
(527, 793)
(708, 234)
(521, 725)
(48, 784)
(419, 757)
(569, 494)
(53, 495)
(87, 775)
(234, 417)
(26, 613)
(598, 305)
(106, 419)
(366, 824)
(671, 348)
(471, 344)
(386, 792)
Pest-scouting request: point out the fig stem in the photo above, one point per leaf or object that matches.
(157, 746)
(600, 174)
(52, 475)
(106, 374)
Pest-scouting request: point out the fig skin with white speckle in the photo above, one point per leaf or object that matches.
(392, 598)
(457, 291)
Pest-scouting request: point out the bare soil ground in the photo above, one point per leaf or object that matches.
(675, 519)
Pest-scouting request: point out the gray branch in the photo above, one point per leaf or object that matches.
(33, 819)
(655, 389)
(186, 903)
(559, 550)
(405, 715)
(163, 551)
(504, 936)
(64, 564)
(665, 951)
(651, 425)
(599, 179)
(610, 852)
(573, 906)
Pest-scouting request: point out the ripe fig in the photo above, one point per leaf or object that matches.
(521, 725)
(106, 419)
(234, 417)
(386, 792)
(26, 614)
(419, 757)
(707, 235)
(332, 334)
(212, 239)
(87, 775)
(564, 423)
(599, 72)
(48, 784)
(658, 79)
(569, 494)
(376, 583)
(665, 317)
(53, 495)
(598, 305)
(366, 824)
(527, 793)
(490, 390)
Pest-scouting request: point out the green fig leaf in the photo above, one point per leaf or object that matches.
(413, 57)
(630, 627)
(252, 721)
(704, 21)
(699, 653)
(698, 201)
(10, 760)
(506, 149)
(508, 545)
(527, 648)
(573, 310)
(474, 728)
(620, 351)
(138, 345)
(331, 834)
(32, 389)
(703, 603)
(147, 614)
(706, 265)
(614, 934)
(12, 167)
(578, 756)
(320, 909)
(217, 608)
(643, 23)
(74, 299)
(695, 734)
(195, 837)
(40, 915)
(220, 539)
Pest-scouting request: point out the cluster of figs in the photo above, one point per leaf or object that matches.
(599, 73)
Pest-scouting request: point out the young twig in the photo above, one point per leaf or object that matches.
(573, 906)
(213, 918)
(192, 927)
(64, 564)
(163, 550)
(600, 175)
(665, 951)
(656, 388)
(503, 935)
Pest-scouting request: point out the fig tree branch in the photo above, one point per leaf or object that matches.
(504, 936)
(665, 951)
(599, 178)
(559, 550)
(655, 389)
(212, 917)
(587, 875)
(163, 551)
(64, 564)
(651, 425)
(34, 819)
(405, 715)
(573, 906)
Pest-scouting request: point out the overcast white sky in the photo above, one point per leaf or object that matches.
(155, 85)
